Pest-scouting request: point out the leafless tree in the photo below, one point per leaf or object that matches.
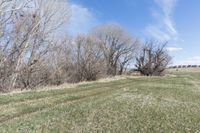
(88, 58)
(30, 26)
(60, 61)
(10, 10)
(117, 45)
(153, 59)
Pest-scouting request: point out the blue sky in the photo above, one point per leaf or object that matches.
(175, 21)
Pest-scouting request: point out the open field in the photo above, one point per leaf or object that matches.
(132, 104)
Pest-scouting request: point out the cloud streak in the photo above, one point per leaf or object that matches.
(164, 29)
(174, 49)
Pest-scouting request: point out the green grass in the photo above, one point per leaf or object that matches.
(143, 104)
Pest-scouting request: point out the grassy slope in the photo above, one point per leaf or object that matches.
(129, 105)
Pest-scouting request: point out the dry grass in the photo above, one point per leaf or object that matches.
(182, 70)
(70, 85)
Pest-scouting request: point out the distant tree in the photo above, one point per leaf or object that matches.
(153, 59)
(194, 66)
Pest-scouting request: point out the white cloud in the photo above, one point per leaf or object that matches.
(82, 20)
(189, 61)
(174, 49)
(164, 29)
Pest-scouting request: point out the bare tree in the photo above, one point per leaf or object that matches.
(88, 58)
(117, 45)
(153, 60)
(59, 61)
(32, 25)
(10, 10)
(125, 60)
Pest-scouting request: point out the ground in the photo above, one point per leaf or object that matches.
(130, 104)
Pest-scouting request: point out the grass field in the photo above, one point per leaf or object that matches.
(135, 104)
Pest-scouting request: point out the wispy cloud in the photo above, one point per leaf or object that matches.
(82, 20)
(157, 34)
(164, 29)
(174, 49)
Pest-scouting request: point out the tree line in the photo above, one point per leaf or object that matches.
(33, 54)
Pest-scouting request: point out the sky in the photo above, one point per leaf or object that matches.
(174, 21)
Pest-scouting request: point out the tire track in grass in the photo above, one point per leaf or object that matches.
(37, 109)
(38, 96)
(75, 100)
(29, 101)
(59, 102)
(13, 109)
(46, 101)
(96, 100)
